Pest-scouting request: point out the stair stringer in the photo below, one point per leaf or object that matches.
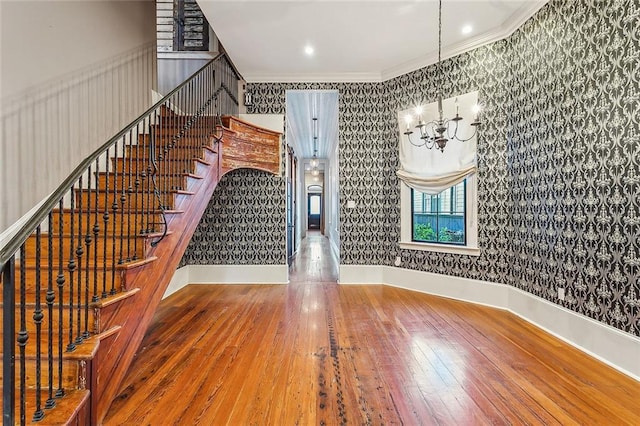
(135, 314)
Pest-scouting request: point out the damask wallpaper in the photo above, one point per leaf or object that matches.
(558, 164)
(243, 223)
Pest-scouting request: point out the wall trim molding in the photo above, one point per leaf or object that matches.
(227, 274)
(615, 348)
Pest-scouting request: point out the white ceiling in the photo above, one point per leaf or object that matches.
(304, 105)
(361, 40)
(354, 41)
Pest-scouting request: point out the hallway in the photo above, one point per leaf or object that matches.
(317, 353)
(315, 262)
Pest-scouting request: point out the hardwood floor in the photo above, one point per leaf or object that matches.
(316, 353)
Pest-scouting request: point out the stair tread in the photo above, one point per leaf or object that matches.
(92, 210)
(103, 191)
(83, 351)
(190, 175)
(45, 264)
(65, 410)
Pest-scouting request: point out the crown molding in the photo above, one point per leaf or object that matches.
(347, 77)
(515, 22)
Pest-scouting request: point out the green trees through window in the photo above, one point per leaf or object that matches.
(439, 218)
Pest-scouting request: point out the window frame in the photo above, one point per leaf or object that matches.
(470, 248)
(439, 213)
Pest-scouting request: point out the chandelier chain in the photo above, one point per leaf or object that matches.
(440, 44)
(438, 131)
(440, 32)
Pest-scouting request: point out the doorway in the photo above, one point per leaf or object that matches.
(311, 134)
(314, 207)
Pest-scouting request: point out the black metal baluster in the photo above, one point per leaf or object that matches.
(150, 216)
(130, 256)
(88, 240)
(152, 171)
(168, 144)
(174, 130)
(60, 280)
(105, 219)
(71, 266)
(50, 298)
(188, 164)
(143, 221)
(79, 253)
(37, 320)
(123, 200)
(96, 232)
(204, 120)
(23, 337)
(8, 345)
(115, 209)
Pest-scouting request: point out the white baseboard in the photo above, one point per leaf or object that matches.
(361, 274)
(180, 279)
(618, 349)
(334, 248)
(227, 274)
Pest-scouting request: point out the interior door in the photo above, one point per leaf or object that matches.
(291, 205)
(314, 206)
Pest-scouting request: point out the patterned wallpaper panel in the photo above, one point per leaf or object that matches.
(558, 164)
(243, 224)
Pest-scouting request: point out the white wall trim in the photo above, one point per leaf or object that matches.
(227, 274)
(618, 349)
(347, 77)
(238, 274)
(180, 279)
(361, 274)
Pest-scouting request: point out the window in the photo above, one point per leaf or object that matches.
(446, 222)
(192, 29)
(439, 218)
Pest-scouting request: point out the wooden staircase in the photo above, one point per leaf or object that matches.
(127, 295)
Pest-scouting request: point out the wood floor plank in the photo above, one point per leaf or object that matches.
(314, 352)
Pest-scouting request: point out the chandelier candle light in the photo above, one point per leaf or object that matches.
(437, 132)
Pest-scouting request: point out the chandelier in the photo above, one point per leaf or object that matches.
(314, 159)
(438, 132)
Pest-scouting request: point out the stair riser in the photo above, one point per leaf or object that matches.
(169, 139)
(183, 149)
(172, 168)
(128, 250)
(174, 133)
(138, 223)
(67, 324)
(179, 182)
(71, 372)
(131, 204)
(103, 279)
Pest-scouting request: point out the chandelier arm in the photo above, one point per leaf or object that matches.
(475, 130)
(437, 132)
(455, 130)
(411, 141)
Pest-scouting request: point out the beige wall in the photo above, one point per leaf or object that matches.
(73, 73)
(43, 40)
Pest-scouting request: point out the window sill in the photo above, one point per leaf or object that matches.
(440, 248)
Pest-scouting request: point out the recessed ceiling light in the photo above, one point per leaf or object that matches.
(308, 50)
(467, 29)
